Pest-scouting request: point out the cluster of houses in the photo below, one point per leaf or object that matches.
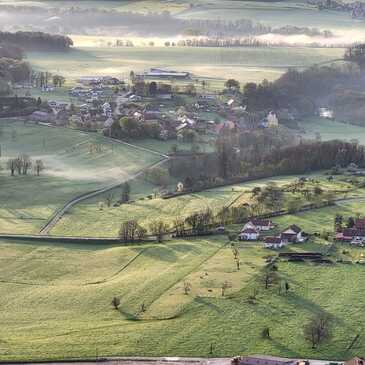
(354, 235)
(257, 229)
(98, 102)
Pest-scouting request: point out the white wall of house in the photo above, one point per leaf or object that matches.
(249, 236)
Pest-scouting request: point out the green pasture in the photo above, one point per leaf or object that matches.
(56, 301)
(71, 168)
(329, 130)
(107, 221)
(244, 64)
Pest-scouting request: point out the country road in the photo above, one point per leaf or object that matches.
(54, 219)
(164, 361)
(135, 361)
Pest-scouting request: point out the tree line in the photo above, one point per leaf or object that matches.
(37, 41)
(260, 154)
(23, 164)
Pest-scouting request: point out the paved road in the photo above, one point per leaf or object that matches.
(142, 361)
(61, 212)
(158, 361)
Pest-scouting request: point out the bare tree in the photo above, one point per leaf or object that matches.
(39, 166)
(18, 165)
(116, 303)
(187, 287)
(236, 256)
(225, 285)
(126, 191)
(159, 229)
(131, 230)
(143, 307)
(141, 232)
(11, 165)
(317, 330)
(265, 332)
(109, 200)
(26, 163)
(269, 276)
(179, 227)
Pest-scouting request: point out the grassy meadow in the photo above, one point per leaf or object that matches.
(71, 169)
(329, 130)
(244, 64)
(56, 301)
(106, 222)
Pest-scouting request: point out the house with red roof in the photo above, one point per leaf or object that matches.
(354, 236)
(360, 223)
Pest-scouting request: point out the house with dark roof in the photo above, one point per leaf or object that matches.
(360, 223)
(259, 224)
(293, 234)
(274, 242)
(353, 235)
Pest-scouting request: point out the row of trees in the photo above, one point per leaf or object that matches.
(132, 231)
(37, 41)
(23, 164)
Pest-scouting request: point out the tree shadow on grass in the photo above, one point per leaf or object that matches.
(161, 253)
(128, 315)
(300, 302)
(208, 303)
(185, 247)
(282, 349)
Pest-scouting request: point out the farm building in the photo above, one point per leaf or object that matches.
(360, 223)
(293, 234)
(352, 235)
(158, 73)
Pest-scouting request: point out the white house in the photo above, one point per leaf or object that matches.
(249, 234)
(259, 224)
(272, 120)
(273, 242)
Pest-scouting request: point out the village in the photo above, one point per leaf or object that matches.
(159, 104)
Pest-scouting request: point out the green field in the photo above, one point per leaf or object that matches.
(106, 222)
(244, 64)
(329, 130)
(278, 13)
(71, 169)
(56, 301)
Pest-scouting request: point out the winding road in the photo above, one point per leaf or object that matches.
(55, 218)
